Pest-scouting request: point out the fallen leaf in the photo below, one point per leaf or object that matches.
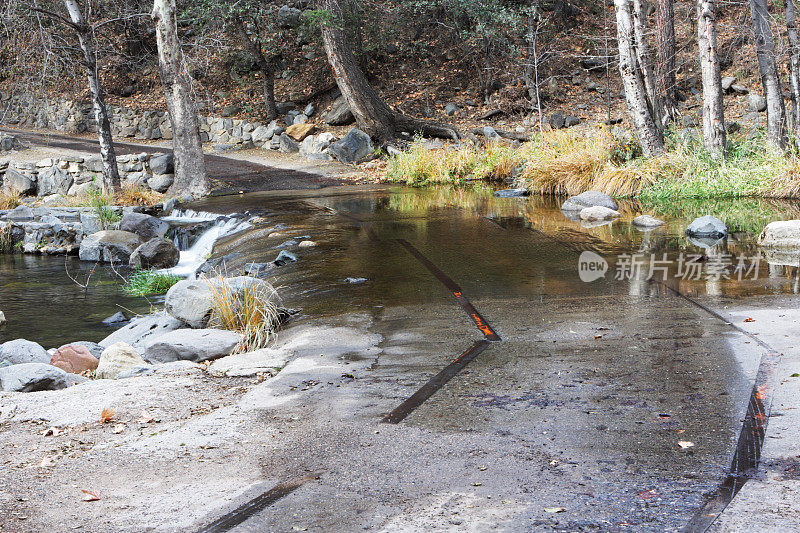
(90, 495)
(477, 484)
(748, 319)
(107, 415)
(52, 432)
(648, 494)
(598, 336)
(554, 509)
(685, 444)
(795, 375)
(145, 418)
(118, 428)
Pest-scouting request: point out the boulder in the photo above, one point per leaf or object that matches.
(161, 182)
(351, 148)
(287, 145)
(512, 193)
(288, 17)
(589, 199)
(32, 377)
(299, 131)
(94, 348)
(597, 213)
(316, 144)
(74, 358)
(756, 102)
(707, 226)
(557, 120)
(781, 235)
(16, 183)
(340, 114)
(570, 121)
(274, 129)
(116, 359)
(191, 345)
(21, 351)
(646, 221)
(145, 226)
(53, 181)
(110, 246)
(155, 253)
(162, 164)
(192, 302)
(142, 329)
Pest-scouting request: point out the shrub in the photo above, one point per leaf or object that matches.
(149, 282)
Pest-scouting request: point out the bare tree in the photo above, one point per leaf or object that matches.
(372, 114)
(794, 66)
(644, 59)
(264, 65)
(190, 169)
(85, 32)
(714, 134)
(768, 68)
(633, 79)
(666, 47)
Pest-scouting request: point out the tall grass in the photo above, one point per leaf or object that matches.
(249, 307)
(9, 200)
(149, 282)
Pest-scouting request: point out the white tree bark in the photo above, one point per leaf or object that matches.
(794, 66)
(714, 134)
(633, 80)
(768, 68)
(644, 60)
(190, 168)
(111, 181)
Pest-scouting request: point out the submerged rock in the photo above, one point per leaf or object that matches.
(589, 199)
(707, 226)
(116, 318)
(74, 358)
(512, 193)
(646, 221)
(116, 359)
(32, 377)
(191, 345)
(20, 351)
(784, 234)
(597, 213)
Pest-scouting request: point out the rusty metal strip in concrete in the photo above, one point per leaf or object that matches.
(435, 383)
(480, 322)
(233, 518)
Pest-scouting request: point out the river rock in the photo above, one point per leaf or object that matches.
(116, 318)
(142, 329)
(74, 358)
(340, 114)
(32, 377)
(597, 213)
(707, 226)
(53, 181)
(16, 183)
(299, 131)
(646, 221)
(782, 235)
(351, 148)
(756, 102)
(161, 182)
(2, 318)
(94, 348)
(512, 193)
(589, 199)
(287, 145)
(109, 246)
(21, 351)
(155, 253)
(145, 226)
(162, 164)
(727, 82)
(116, 359)
(191, 345)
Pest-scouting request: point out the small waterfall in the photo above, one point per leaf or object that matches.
(196, 254)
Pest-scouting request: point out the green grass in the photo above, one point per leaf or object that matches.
(149, 282)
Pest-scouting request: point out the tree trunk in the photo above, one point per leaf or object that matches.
(190, 168)
(372, 114)
(714, 134)
(768, 68)
(635, 93)
(794, 65)
(644, 61)
(111, 181)
(264, 65)
(666, 83)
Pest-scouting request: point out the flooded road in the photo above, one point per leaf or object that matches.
(609, 405)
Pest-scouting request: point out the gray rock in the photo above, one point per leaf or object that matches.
(512, 193)
(110, 246)
(142, 329)
(340, 114)
(191, 345)
(16, 183)
(727, 82)
(53, 181)
(490, 134)
(230, 111)
(570, 121)
(781, 235)
(2, 318)
(300, 119)
(285, 257)
(707, 226)
(287, 145)
(316, 144)
(597, 213)
(285, 107)
(32, 377)
(351, 148)
(90, 222)
(94, 164)
(116, 318)
(21, 351)
(310, 109)
(117, 359)
(646, 221)
(557, 120)
(191, 301)
(739, 89)
(155, 253)
(288, 17)
(451, 109)
(756, 102)
(162, 164)
(145, 226)
(589, 199)
(161, 182)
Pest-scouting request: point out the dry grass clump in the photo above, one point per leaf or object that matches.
(131, 194)
(9, 200)
(247, 306)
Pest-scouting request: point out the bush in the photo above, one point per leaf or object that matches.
(149, 282)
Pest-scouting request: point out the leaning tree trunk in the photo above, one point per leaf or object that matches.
(372, 114)
(644, 61)
(633, 80)
(768, 68)
(264, 66)
(714, 134)
(666, 83)
(190, 168)
(794, 66)
(111, 181)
